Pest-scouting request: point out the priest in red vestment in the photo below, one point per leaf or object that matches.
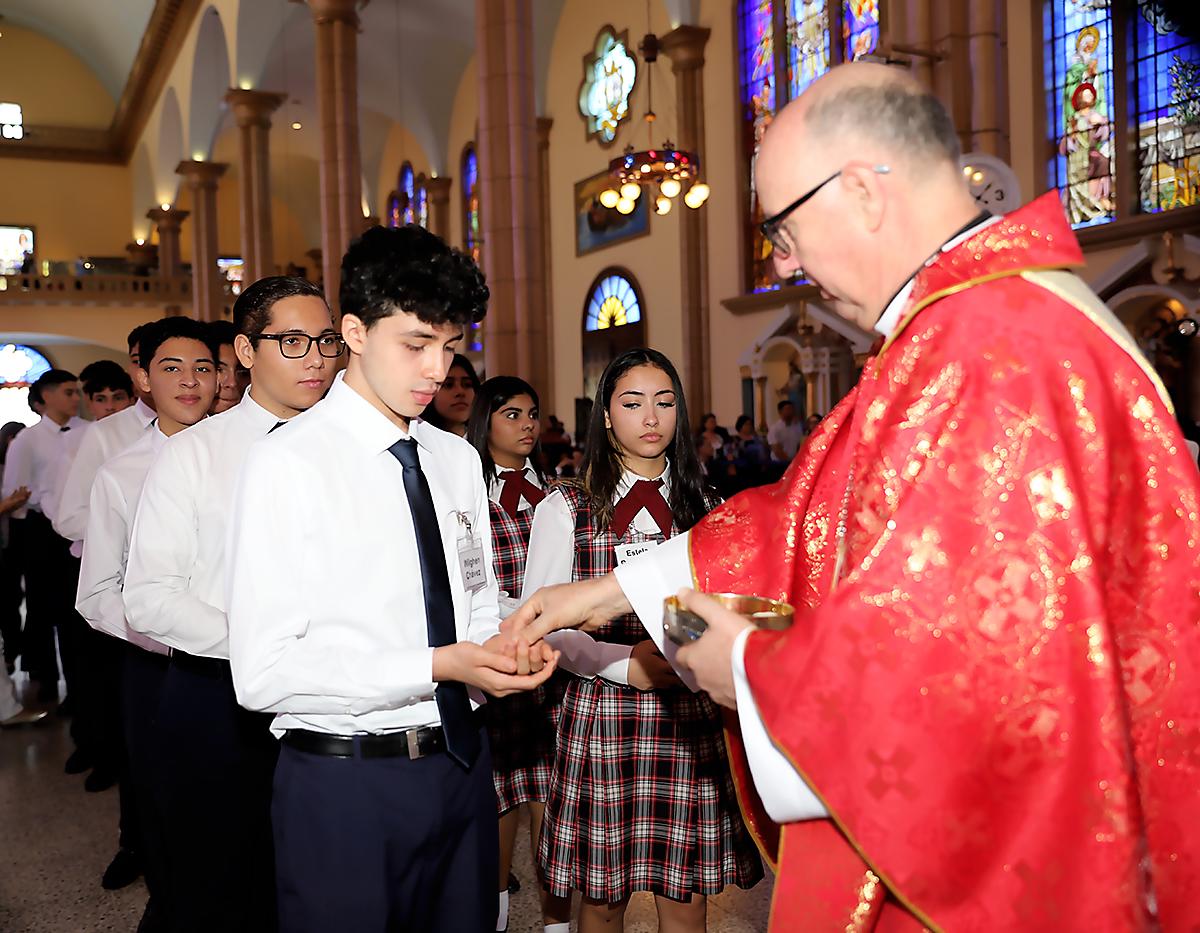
(986, 715)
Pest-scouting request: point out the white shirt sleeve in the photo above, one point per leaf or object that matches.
(785, 795)
(162, 552)
(278, 664)
(18, 470)
(98, 598)
(71, 518)
(549, 562)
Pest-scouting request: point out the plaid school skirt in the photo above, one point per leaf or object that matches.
(641, 798)
(522, 731)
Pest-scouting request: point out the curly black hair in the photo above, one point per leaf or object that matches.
(410, 269)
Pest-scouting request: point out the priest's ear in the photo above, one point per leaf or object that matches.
(865, 187)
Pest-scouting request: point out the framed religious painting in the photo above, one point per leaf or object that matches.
(597, 226)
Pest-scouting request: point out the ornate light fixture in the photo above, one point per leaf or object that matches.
(667, 169)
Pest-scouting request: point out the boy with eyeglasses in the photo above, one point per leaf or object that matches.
(218, 758)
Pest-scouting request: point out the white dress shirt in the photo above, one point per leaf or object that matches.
(98, 443)
(551, 561)
(115, 494)
(34, 459)
(327, 623)
(175, 587)
(650, 578)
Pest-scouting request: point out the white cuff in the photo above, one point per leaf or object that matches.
(785, 795)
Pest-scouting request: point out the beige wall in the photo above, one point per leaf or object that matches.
(464, 120)
(101, 326)
(53, 86)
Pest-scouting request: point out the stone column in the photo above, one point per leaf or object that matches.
(252, 110)
(542, 275)
(371, 220)
(437, 193)
(207, 296)
(168, 221)
(984, 39)
(684, 45)
(336, 24)
(507, 146)
(142, 257)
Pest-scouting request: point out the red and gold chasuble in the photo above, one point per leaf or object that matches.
(998, 699)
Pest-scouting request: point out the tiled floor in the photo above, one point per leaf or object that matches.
(55, 841)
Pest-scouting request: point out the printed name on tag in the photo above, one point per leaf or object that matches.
(470, 563)
(627, 552)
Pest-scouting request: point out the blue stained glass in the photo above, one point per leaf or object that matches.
(613, 303)
(756, 20)
(808, 43)
(407, 192)
(394, 213)
(1078, 72)
(21, 365)
(1167, 99)
(860, 28)
(471, 203)
(422, 212)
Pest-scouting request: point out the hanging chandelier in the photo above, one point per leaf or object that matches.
(665, 171)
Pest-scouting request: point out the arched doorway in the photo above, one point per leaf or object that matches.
(613, 322)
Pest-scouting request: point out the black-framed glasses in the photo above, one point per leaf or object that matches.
(295, 346)
(772, 227)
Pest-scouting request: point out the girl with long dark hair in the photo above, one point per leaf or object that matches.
(451, 407)
(641, 798)
(504, 427)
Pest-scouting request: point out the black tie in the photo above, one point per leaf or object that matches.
(277, 424)
(61, 430)
(462, 735)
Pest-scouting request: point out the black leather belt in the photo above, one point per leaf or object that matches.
(208, 667)
(411, 743)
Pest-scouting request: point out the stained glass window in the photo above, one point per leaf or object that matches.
(613, 303)
(1078, 74)
(395, 213)
(808, 43)
(470, 196)
(407, 189)
(757, 20)
(608, 78)
(20, 366)
(421, 211)
(860, 28)
(1166, 80)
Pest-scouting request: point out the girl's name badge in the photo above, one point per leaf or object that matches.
(470, 556)
(627, 552)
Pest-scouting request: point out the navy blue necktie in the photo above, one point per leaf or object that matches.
(462, 734)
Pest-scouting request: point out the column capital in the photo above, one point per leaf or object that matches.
(142, 254)
(167, 219)
(684, 45)
(438, 189)
(201, 174)
(544, 125)
(253, 108)
(330, 11)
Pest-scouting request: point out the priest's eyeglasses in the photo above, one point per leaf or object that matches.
(295, 345)
(772, 228)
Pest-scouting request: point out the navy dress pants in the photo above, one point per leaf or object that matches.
(385, 845)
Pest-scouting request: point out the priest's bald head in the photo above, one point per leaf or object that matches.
(878, 159)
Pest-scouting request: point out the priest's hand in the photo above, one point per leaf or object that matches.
(710, 657)
(587, 604)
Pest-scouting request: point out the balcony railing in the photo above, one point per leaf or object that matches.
(26, 289)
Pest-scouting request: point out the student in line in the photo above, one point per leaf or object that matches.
(641, 798)
(178, 370)
(451, 407)
(504, 427)
(363, 605)
(229, 389)
(218, 758)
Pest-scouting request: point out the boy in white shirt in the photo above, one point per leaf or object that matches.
(179, 371)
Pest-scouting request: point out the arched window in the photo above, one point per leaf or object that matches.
(792, 38)
(613, 322)
(407, 190)
(20, 366)
(470, 204)
(1119, 79)
(420, 210)
(614, 302)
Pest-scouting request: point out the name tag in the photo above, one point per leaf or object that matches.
(470, 564)
(627, 552)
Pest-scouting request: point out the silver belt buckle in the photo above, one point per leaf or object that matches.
(414, 748)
